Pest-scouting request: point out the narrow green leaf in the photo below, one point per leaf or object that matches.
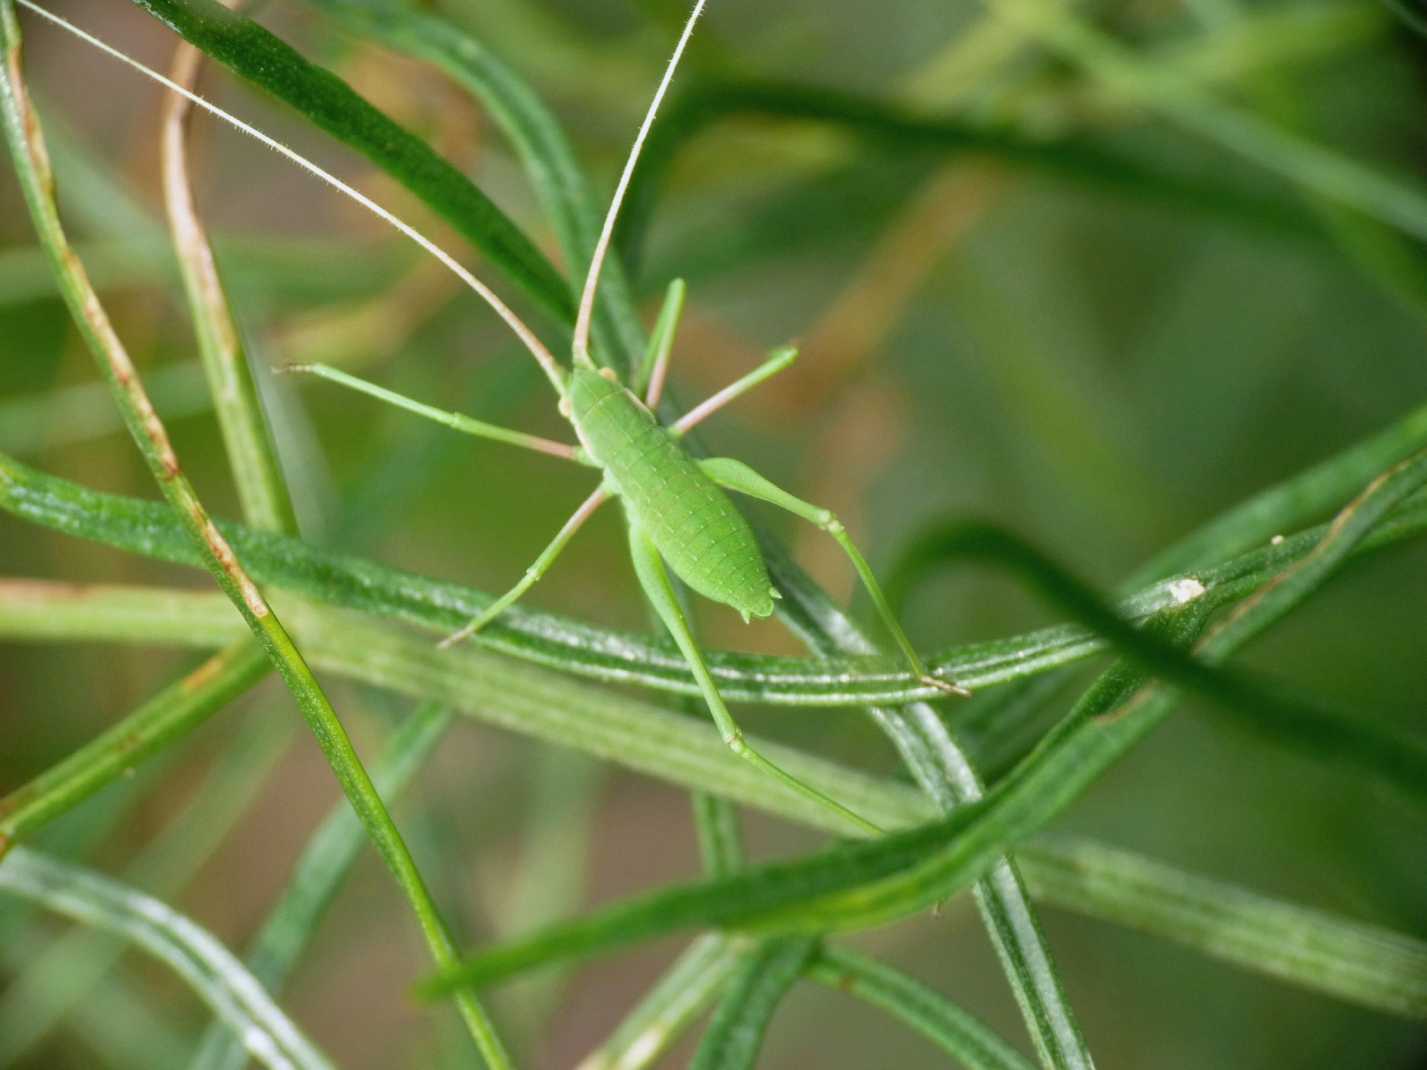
(316, 878)
(207, 967)
(669, 1006)
(169, 715)
(942, 1022)
(720, 839)
(754, 991)
(1363, 964)
(1291, 504)
(64, 976)
(1377, 749)
(247, 438)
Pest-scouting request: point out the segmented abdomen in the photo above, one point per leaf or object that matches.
(696, 529)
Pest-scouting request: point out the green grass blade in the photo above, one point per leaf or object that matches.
(669, 1006)
(65, 975)
(1290, 504)
(316, 878)
(165, 718)
(1394, 757)
(213, 973)
(942, 1022)
(754, 991)
(40, 610)
(720, 838)
(254, 54)
(1363, 964)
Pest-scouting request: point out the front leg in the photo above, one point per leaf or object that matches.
(737, 476)
(538, 568)
(654, 578)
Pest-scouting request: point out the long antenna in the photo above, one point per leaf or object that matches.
(592, 278)
(542, 355)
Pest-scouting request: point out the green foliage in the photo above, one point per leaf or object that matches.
(1090, 351)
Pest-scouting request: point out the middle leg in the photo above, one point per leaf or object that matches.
(538, 568)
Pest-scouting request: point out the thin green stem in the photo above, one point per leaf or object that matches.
(1362, 964)
(751, 996)
(669, 1006)
(942, 1022)
(194, 954)
(316, 877)
(62, 977)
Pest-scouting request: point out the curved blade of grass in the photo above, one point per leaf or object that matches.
(1412, 19)
(262, 493)
(213, 973)
(996, 719)
(544, 151)
(63, 976)
(1394, 757)
(669, 1006)
(942, 1022)
(1290, 504)
(1352, 961)
(757, 986)
(132, 1031)
(166, 717)
(871, 884)
(316, 877)
(26, 143)
(257, 56)
(1082, 162)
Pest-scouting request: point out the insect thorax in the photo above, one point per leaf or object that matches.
(697, 530)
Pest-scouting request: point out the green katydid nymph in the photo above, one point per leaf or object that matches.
(680, 517)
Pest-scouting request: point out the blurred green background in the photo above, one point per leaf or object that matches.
(1099, 364)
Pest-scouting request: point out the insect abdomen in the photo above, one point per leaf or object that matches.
(696, 529)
